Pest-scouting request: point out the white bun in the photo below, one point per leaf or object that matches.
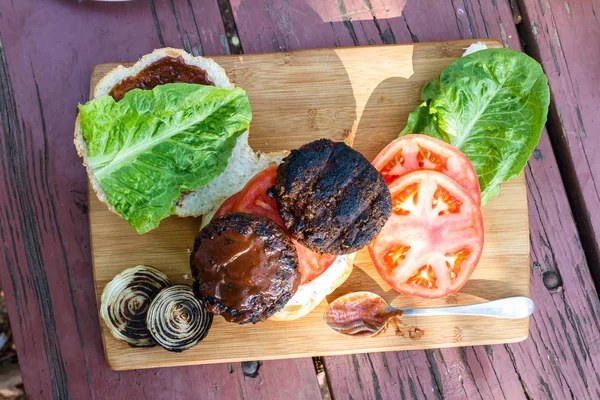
(243, 164)
(311, 294)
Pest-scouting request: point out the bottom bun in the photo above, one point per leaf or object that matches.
(313, 293)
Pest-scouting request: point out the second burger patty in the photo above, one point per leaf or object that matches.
(330, 197)
(245, 267)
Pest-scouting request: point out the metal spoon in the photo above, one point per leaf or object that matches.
(367, 314)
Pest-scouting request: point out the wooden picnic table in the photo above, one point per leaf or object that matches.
(47, 51)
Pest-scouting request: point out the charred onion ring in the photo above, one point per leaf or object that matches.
(125, 303)
(177, 320)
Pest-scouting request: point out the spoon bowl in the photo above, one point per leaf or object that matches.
(359, 314)
(367, 314)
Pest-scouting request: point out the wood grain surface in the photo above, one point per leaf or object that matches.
(47, 51)
(561, 36)
(560, 358)
(298, 97)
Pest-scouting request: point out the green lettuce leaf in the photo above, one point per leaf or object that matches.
(153, 145)
(492, 105)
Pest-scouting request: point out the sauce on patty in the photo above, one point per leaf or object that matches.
(236, 269)
(245, 267)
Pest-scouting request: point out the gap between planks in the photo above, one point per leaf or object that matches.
(564, 159)
(235, 45)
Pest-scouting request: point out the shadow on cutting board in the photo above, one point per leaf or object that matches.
(384, 117)
(296, 98)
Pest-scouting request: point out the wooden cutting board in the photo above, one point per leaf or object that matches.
(361, 95)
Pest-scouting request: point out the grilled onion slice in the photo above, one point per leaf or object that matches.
(177, 320)
(125, 303)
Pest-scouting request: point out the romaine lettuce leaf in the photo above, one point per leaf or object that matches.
(492, 105)
(153, 145)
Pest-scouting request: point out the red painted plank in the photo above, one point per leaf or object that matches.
(563, 35)
(281, 26)
(194, 26)
(560, 357)
(447, 374)
(47, 51)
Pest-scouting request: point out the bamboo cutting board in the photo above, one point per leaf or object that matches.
(361, 95)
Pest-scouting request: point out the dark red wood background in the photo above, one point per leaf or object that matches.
(47, 51)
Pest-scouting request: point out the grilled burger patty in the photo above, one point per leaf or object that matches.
(330, 197)
(245, 267)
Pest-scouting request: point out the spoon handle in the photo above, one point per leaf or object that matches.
(510, 307)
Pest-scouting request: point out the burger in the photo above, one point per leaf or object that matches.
(169, 136)
(327, 198)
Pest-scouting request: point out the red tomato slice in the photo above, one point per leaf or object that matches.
(253, 199)
(312, 264)
(432, 242)
(227, 206)
(417, 152)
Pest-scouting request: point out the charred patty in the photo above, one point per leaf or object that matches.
(330, 197)
(245, 267)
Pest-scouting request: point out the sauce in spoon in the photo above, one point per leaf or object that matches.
(359, 314)
(367, 314)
